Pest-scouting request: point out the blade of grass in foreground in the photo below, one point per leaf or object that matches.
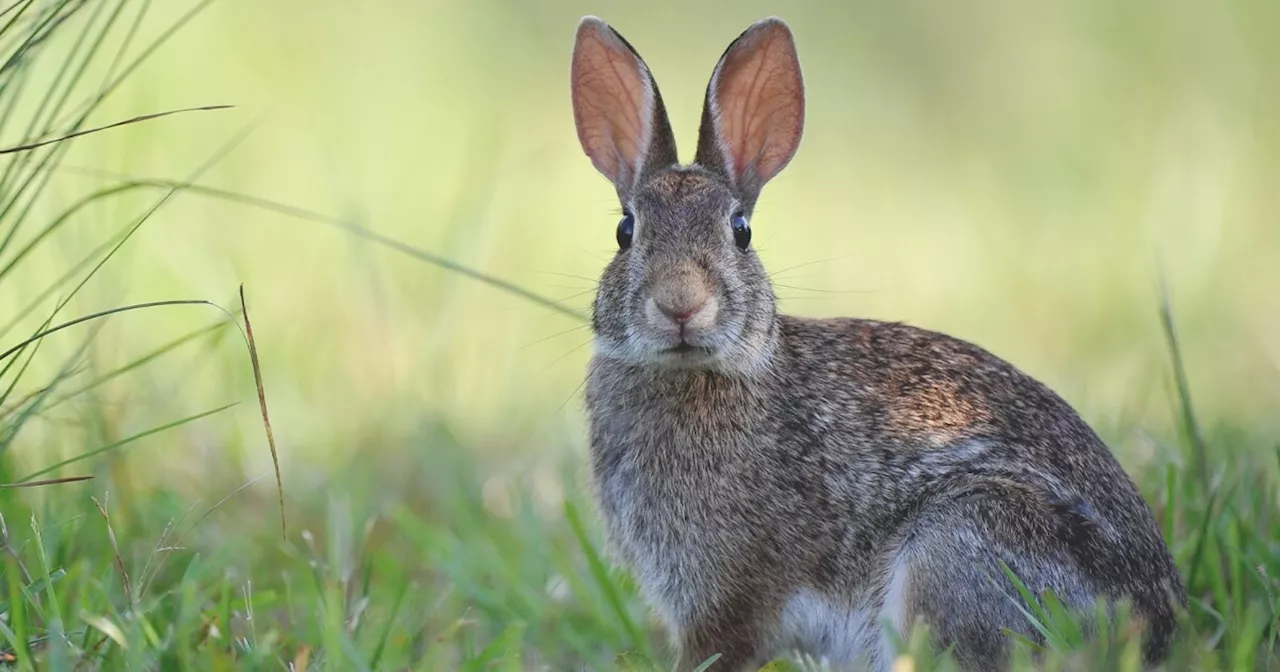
(121, 240)
(381, 648)
(13, 184)
(10, 429)
(504, 646)
(1191, 427)
(601, 574)
(136, 363)
(53, 287)
(200, 170)
(262, 404)
(126, 441)
(57, 633)
(48, 481)
(84, 49)
(104, 313)
(77, 64)
(133, 120)
(115, 81)
(13, 383)
(706, 664)
(17, 636)
(355, 229)
(56, 223)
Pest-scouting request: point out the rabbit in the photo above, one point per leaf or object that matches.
(781, 485)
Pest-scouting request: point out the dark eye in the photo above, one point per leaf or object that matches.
(741, 231)
(626, 229)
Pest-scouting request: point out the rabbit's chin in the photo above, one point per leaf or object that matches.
(710, 354)
(685, 357)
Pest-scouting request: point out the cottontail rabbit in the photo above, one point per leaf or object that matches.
(785, 484)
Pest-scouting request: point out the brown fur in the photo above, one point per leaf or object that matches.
(778, 482)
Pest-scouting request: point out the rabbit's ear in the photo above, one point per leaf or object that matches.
(754, 113)
(621, 121)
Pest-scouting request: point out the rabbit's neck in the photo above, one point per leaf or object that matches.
(678, 391)
(679, 411)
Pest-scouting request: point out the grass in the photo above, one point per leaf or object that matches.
(453, 577)
(139, 525)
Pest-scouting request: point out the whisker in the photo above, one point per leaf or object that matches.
(593, 254)
(825, 291)
(572, 394)
(575, 349)
(810, 263)
(789, 299)
(593, 281)
(574, 296)
(556, 335)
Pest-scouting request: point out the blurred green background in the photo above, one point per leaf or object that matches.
(1021, 175)
(1015, 174)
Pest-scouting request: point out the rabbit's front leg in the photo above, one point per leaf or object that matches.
(734, 633)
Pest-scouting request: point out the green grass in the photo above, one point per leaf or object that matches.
(444, 575)
(434, 485)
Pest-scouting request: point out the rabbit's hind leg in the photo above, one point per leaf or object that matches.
(946, 572)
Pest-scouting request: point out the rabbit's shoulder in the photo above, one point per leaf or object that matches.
(922, 387)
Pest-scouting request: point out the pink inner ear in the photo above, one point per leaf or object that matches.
(612, 103)
(759, 97)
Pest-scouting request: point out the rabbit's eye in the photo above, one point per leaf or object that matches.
(741, 231)
(626, 229)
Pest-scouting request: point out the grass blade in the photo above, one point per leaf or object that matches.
(1199, 451)
(47, 481)
(262, 404)
(391, 621)
(104, 313)
(57, 631)
(136, 363)
(601, 574)
(57, 223)
(357, 230)
(126, 122)
(200, 170)
(126, 441)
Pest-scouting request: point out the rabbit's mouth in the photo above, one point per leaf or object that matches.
(685, 354)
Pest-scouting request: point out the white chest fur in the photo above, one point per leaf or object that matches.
(845, 637)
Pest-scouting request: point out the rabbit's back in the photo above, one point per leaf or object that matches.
(923, 407)
(921, 420)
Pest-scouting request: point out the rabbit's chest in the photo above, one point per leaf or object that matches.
(676, 518)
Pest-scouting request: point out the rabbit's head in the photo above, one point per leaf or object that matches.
(686, 289)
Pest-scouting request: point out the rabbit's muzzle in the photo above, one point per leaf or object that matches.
(681, 308)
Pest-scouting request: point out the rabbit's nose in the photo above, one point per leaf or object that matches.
(681, 301)
(680, 314)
